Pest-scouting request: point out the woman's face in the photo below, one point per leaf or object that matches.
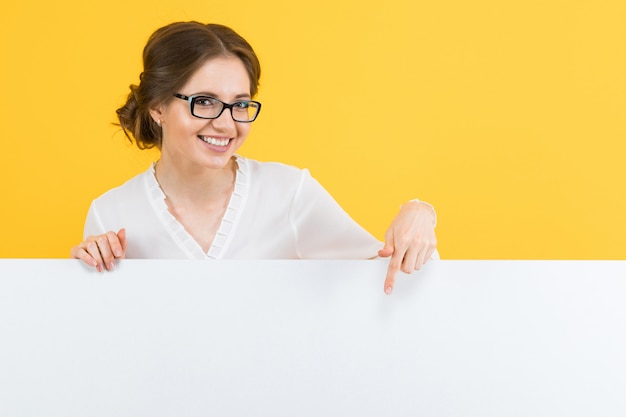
(190, 142)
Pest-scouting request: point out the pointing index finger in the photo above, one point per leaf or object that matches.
(392, 271)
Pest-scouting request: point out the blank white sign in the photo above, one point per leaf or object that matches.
(312, 338)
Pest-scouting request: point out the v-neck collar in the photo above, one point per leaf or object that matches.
(228, 224)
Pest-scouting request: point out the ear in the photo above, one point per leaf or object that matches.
(157, 114)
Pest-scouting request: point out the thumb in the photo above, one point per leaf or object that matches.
(388, 249)
(122, 237)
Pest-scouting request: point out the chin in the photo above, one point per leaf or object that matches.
(219, 161)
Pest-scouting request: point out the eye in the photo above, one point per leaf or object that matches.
(206, 101)
(240, 105)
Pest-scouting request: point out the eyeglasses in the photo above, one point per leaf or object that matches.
(206, 107)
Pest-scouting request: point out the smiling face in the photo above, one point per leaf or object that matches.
(190, 143)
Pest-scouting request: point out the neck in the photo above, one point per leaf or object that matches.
(195, 183)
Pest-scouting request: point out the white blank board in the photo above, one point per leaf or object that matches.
(312, 338)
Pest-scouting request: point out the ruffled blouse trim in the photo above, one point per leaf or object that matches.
(229, 222)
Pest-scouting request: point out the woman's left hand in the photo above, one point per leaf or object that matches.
(410, 240)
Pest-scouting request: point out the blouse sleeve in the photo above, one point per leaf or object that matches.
(93, 223)
(323, 230)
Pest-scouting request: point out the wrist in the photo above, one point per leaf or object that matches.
(424, 206)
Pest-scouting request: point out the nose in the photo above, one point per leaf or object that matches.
(225, 120)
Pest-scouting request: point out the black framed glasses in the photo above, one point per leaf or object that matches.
(207, 107)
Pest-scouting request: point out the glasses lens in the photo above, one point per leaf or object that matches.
(245, 111)
(206, 107)
(210, 108)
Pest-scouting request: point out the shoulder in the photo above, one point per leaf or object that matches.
(275, 174)
(271, 168)
(131, 189)
(276, 181)
(279, 182)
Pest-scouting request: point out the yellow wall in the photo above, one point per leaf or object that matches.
(509, 116)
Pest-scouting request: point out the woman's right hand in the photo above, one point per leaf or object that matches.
(101, 251)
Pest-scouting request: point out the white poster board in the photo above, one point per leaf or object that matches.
(312, 338)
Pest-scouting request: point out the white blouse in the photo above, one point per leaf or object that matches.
(275, 212)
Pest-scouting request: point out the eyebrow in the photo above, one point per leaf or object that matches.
(243, 96)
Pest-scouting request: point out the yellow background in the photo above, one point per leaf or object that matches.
(508, 116)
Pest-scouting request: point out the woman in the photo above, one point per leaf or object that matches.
(200, 199)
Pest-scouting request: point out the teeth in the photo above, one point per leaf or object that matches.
(215, 142)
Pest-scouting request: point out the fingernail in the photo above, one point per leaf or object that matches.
(388, 290)
(118, 253)
(111, 265)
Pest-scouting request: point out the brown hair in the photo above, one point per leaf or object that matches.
(173, 53)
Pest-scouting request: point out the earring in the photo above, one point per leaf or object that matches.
(159, 122)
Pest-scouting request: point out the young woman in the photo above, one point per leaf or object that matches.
(201, 200)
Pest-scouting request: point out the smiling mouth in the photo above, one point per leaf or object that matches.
(214, 141)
